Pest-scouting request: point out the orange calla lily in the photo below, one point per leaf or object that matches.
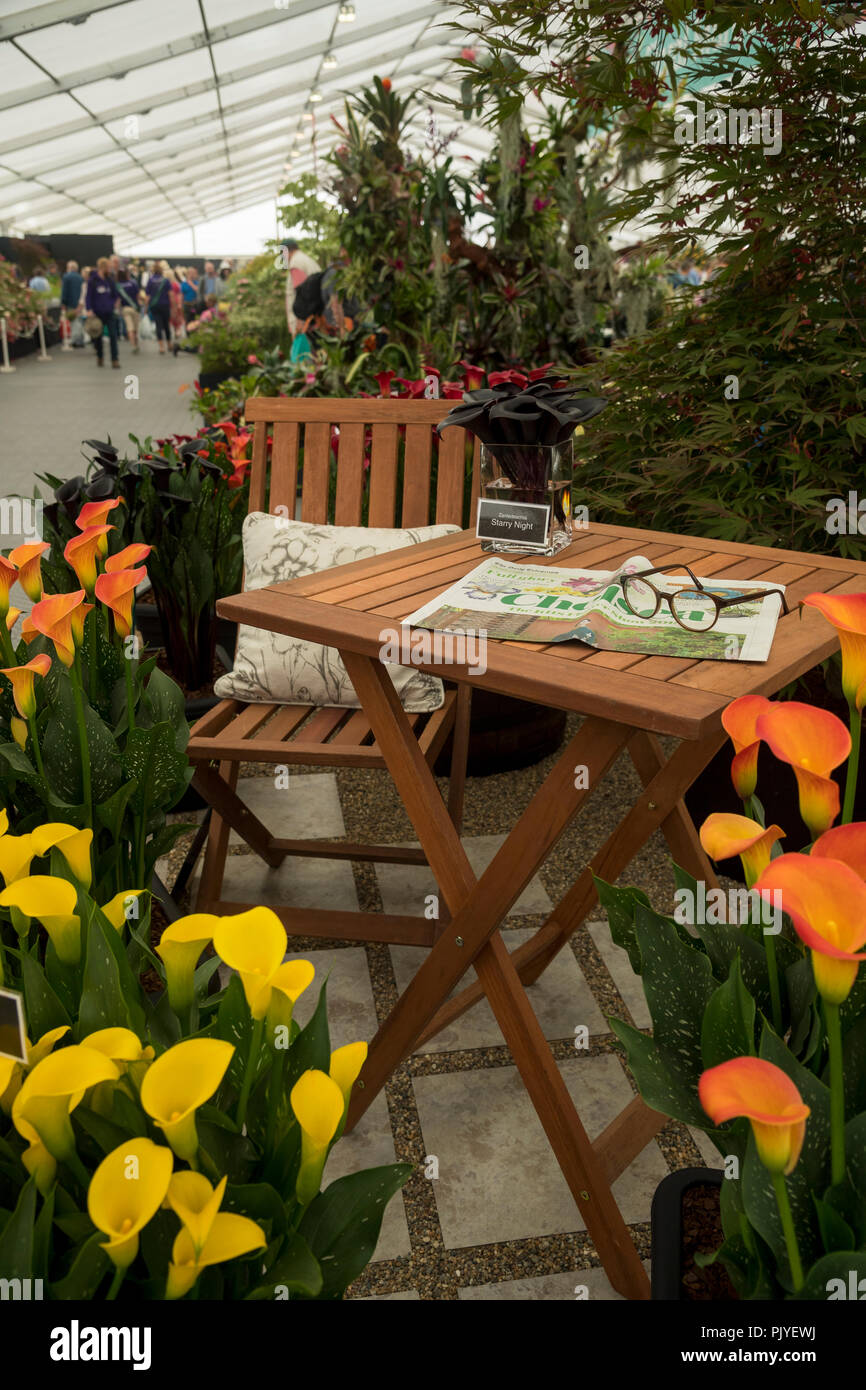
(12, 616)
(95, 514)
(117, 591)
(739, 720)
(768, 1098)
(22, 679)
(846, 843)
(814, 742)
(826, 901)
(81, 552)
(28, 628)
(8, 576)
(126, 558)
(723, 836)
(847, 613)
(61, 618)
(28, 559)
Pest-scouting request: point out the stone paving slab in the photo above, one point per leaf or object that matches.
(308, 809)
(619, 967)
(404, 887)
(581, 1285)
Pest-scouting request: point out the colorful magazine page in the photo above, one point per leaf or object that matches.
(539, 603)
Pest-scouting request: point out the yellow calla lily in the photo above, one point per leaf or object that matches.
(115, 908)
(36, 1159)
(74, 845)
(196, 1202)
(52, 1090)
(4, 822)
(19, 731)
(179, 949)
(287, 983)
(230, 1236)
(125, 1192)
(120, 1044)
(253, 943)
(178, 1082)
(53, 902)
(318, 1105)
(346, 1063)
(16, 853)
(12, 1072)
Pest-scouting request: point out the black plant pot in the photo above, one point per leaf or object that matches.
(674, 1240)
(506, 734)
(208, 380)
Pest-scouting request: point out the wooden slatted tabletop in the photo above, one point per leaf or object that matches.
(350, 606)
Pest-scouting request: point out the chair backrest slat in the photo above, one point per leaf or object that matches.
(350, 476)
(416, 476)
(284, 468)
(383, 476)
(386, 483)
(314, 495)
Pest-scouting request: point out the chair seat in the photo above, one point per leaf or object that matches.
(235, 732)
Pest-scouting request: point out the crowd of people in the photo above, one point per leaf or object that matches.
(134, 300)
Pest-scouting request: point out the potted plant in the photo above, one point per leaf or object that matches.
(223, 352)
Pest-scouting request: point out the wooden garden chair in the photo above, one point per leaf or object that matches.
(428, 487)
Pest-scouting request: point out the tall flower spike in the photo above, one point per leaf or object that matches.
(723, 836)
(847, 613)
(22, 679)
(28, 559)
(60, 617)
(81, 553)
(768, 1098)
(826, 901)
(739, 720)
(814, 742)
(117, 591)
(125, 1193)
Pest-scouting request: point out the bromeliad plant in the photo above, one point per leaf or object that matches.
(759, 1004)
(170, 1146)
(93, 736)
(185, 497)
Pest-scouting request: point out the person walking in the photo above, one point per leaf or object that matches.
(129, 290)
(176, 296)
(159, 299)
(101, 301)
(70, 290)
(189, 290)
(38, 281)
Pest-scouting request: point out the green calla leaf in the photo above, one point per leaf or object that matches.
(729, 1022)
(89, 1268)
(42, 1005)
(18, 1235)
(342, 1224)
(296, 1271)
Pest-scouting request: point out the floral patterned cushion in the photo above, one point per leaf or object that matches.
(270, 667)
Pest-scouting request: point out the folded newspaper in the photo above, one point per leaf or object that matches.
(538, 603)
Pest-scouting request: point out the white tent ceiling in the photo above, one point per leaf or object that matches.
(141, 117)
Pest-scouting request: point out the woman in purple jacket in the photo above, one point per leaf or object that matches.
(101, 300)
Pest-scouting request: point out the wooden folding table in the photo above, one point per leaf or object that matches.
(627, 700)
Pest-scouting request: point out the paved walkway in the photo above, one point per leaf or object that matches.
(48, 408)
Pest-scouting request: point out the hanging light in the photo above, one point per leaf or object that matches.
(315, 95)
(346, 14)
(329, 60)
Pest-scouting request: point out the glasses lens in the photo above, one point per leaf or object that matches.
(640, 597)
(694, 610)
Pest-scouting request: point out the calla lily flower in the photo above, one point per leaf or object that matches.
(28, 627)
(8, 576)
(12, 1071)
(739, 720)
(53, 1089)
(96, 514)
(770, 1101)
(39, 1163)
(846, 843)
(847, 613)
(115, 908)
(28, 561)
(723, 836)
(22, 680)
(73, 844)
(814, 742)
(81, 551)
(253, 943)
(120, 1044)
(192, 1198)
(178, 1082)
(179, 949)
(826, 901)
(230, 1236)
(53, 902)
(60, 617)
(16, 854)
(346, 1064)
(117, 591)
(318, 1105)
(127, 558)
(19, 731)
(12, 616)
(125, 1193)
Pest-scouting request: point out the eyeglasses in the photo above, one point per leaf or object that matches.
(694, 607)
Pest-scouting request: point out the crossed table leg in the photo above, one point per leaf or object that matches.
(478, 906)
